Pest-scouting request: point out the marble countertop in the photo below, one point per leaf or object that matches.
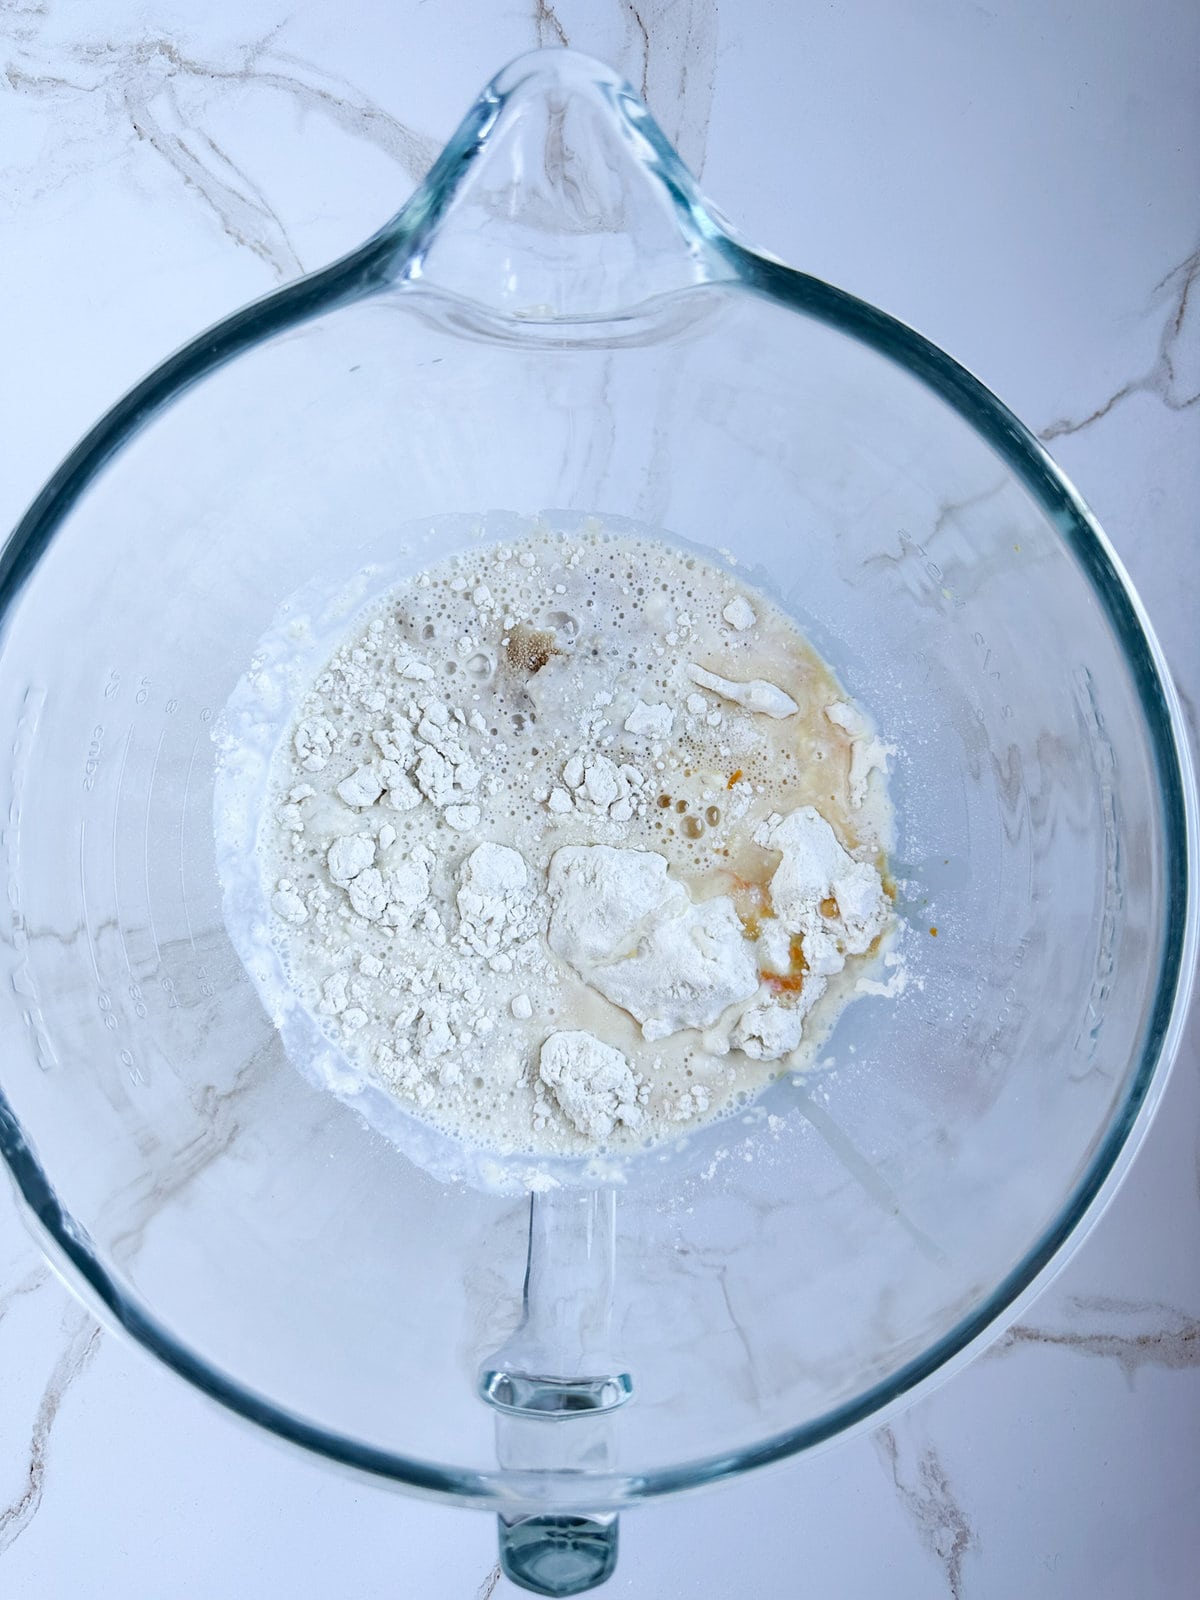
(1018, 182)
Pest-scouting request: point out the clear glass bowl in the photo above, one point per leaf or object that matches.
(558, 321)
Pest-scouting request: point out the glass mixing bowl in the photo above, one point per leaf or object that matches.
(557, 321)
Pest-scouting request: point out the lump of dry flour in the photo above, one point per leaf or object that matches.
(819, 888)
(494, 901)
(593, 1083)
(635, 935)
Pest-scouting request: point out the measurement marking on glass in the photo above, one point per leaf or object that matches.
(146, 848)
(187, 784)
(87, 920)
(120, 920)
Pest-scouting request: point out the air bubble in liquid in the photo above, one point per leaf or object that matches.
(562, 622)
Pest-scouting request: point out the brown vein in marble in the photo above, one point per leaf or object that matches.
(640, 24)
(1171, 1341)
(928, 1498)
(697, 74)
(549, 30)
(81, 1346)
(1161, 380)
(670, 53)
(488, 1586)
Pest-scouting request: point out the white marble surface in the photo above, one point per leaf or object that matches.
(1019, 183)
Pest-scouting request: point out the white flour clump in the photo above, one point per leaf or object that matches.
(868, 754)
(572, 842)
(635, 935)
(755, 695)
(593, 1083)
(494, 904)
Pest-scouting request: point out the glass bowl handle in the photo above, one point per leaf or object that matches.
(555, 1385)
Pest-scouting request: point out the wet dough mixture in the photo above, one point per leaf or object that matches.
(574, 842)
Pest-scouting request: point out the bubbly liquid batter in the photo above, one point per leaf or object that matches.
(556, 694)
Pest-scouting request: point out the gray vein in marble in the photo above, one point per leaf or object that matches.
(82, 1344)
(14, 14)
(31, 1282)
(217, 1131)
(713, 1263)
(242, 212)
(139, 84)
(1161, 379)
(1189, 712)
(752, 1373)
(950, 510)
(488, 1586)
(872, 1182)
(928, 1498)
(916, 541)
(1140, 1334)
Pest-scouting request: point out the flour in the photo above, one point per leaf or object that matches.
(739, 613)
(654, 721)
(593, 1084)
(571, 844)
(494, 904)
(597, 787)
(754, 695)
(868, 753)
(635, 935)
